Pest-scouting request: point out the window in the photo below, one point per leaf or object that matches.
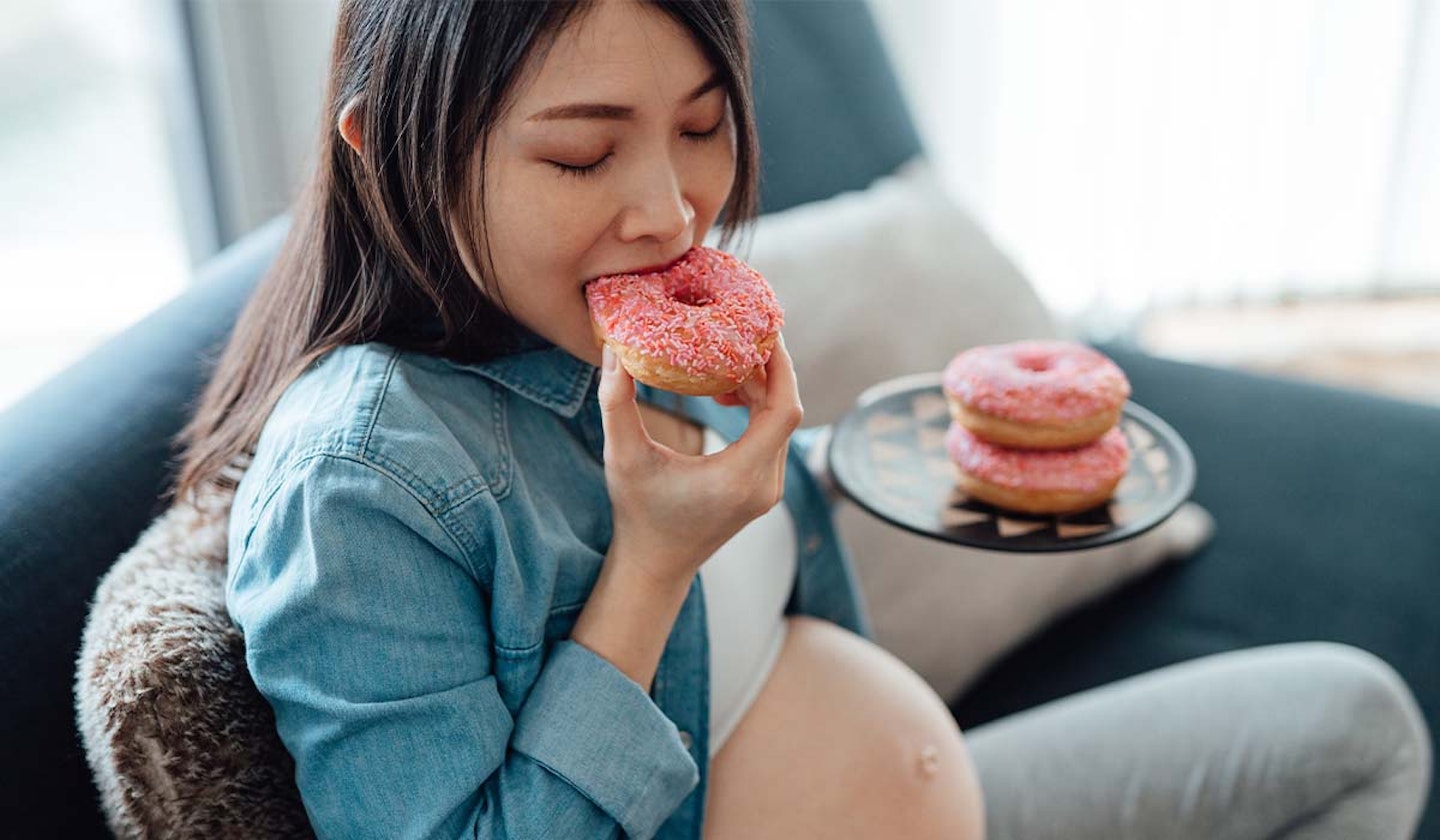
(91, 229)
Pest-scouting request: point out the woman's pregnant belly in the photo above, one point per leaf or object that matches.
(844, 740)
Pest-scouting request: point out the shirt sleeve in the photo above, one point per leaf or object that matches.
(812, 443)
(368, 634)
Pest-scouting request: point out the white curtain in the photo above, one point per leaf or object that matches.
(261, 68)
(1128, 154)
(1140, 153)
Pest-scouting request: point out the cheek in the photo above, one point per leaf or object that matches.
(543, 228)
(715, 177)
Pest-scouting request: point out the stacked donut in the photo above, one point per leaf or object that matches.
(1034, 425)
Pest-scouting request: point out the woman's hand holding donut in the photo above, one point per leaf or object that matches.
(749, 391)
(672, 510)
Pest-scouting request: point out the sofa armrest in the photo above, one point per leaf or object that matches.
(83, 460)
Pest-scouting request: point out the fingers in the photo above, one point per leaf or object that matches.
(784, 386)
(793, 392)
(750, 392)
(777, 412)
(625, 433)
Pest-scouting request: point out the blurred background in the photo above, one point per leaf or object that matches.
(1253, 183)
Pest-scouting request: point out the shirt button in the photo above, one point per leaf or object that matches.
(812, 544)
(685, 740)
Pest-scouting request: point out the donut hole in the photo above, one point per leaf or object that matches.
(1035, 364)
(692, 296)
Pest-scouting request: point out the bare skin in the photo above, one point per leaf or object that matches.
(784, 773)
(669, 430)
(843, 741)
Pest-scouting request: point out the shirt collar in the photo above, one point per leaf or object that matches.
(541, 372)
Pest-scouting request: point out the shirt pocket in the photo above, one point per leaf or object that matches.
(560, 623)
(519, 666)
(575, 574)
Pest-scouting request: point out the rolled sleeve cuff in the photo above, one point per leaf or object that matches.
(813, 445)
(596, 728)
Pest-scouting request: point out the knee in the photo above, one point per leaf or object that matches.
(1375, 707)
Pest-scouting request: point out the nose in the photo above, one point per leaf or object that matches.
(657, 208)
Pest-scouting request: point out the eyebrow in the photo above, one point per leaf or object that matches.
(598, 111)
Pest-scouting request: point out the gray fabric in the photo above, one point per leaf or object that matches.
(1307, 741)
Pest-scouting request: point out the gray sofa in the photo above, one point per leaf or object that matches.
(1326, 499)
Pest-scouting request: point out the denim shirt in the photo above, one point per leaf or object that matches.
(409, 550)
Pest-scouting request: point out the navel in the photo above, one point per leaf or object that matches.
(928, 763)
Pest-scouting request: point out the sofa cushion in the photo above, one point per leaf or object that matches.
(892, 280)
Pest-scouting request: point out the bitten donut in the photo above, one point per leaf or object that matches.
(699, 327)
(1035, 394)
(1038, 481)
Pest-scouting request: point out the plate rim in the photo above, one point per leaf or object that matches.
(925, 382)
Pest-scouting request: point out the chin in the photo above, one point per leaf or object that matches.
(581, 342)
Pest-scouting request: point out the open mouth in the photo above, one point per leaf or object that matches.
(649, 269)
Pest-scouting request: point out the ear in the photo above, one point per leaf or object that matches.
(349, 123)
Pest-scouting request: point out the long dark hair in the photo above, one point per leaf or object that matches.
(369, 255)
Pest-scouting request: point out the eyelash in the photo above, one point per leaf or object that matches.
(595, 168)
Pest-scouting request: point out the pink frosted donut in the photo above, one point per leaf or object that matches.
(1035, 394)
(1056, 481)
(701, 326)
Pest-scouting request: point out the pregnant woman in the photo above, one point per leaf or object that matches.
(493, 587)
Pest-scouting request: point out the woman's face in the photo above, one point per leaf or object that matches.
(617, 155)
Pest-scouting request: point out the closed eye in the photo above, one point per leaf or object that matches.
(704, 135)
(589, 169)
(585, 170)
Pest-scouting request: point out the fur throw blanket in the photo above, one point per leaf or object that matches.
(180, 742)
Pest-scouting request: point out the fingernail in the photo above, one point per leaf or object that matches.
(607, 358)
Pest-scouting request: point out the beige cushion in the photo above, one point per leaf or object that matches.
(893, 280)
(883, 281)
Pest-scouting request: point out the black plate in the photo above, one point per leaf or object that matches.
(888, 455)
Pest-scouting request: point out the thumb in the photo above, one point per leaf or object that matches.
(619, 414)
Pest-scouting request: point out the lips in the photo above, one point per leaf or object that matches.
(649, 269)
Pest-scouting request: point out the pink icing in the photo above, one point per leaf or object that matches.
(1082, 470)
(1043, 382)
(705, 313)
